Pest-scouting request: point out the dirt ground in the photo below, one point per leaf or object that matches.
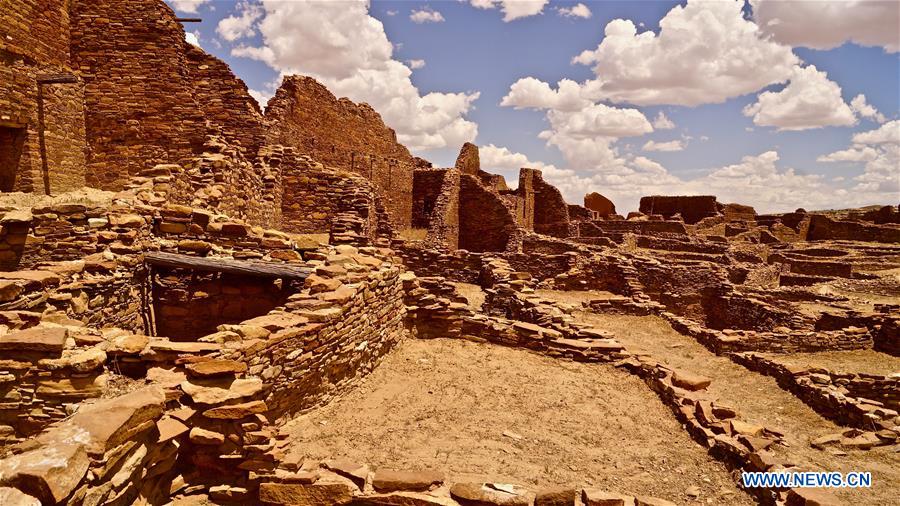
(760, 400)
(484, 412)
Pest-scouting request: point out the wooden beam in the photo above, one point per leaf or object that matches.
(228, 265)
(188, 20)
(57, 79)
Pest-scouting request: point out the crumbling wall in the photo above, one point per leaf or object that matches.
(691, 208)
(314, 195)
(345, 135)
(225, 101)
(551, 213)
(824, 228)
(485, 224)
(443, 226)
(599, 204)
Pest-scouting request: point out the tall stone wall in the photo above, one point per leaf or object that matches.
(225, 101)
(551, 213)
(345, 135)
(34, 44)
(139, 105)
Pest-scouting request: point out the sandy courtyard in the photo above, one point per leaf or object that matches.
(485, 412)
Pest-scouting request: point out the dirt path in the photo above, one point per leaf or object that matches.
(484, 412)
(759, 400)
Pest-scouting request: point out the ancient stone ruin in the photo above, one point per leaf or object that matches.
(206, 303)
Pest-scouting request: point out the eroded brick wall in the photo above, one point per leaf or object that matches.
(691, 208)
(345, 135)
(551, 213)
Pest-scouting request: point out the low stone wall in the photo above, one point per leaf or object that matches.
(865, 401)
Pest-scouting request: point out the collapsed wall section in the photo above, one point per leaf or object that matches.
(345, 135)
(485, 223)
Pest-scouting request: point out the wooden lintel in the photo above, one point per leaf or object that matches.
(188, 20)
(57, 79)
(227, 265)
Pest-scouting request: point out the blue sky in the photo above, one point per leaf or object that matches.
(798, 149)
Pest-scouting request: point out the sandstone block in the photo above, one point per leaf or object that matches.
(236, 411)
(387, 480)
(40, 339)
(206, 437)
(49, 473)
(316, 494)
(690, 381)
(490, 494)
(215, 368)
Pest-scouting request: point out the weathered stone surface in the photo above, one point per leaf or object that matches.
(216, 367)
(14, 497)
(811, 497)
(600, 204)
(490, 494)
(40, 339)
(236, 411)
(130, 344)
(354, 471)
(107, 423)
(652, 501)
(316, 494)
(561, 496)
(217, 391)
(690, 381)
(403, 499)
(49, 473)
(206, 437)
(170, 428)
(593, 497)
(386, 480)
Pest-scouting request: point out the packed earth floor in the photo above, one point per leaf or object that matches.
(489, 413)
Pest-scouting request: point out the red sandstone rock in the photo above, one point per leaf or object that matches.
(403, 499)
(811, 497)
(49, 473)
(490, 494)
(468, 161)
(592, 497)
(386, 480)
(651, 501)
(14, 497)
(690, 381)
(41, 339)
(215, 367)
(206, 437)
(236, 411)
(561, 496)
(316, 494)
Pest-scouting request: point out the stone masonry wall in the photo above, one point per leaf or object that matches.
(345, 135)
(35, 44)
(139, 103)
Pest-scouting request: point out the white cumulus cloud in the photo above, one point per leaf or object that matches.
(675, 145)
(810, 100)
(415, 64)
(706, 52)
(513, 9)
(241, 25)
(576, 11)
(866, 110)
(345, 48)
(828, 24)
(662, 122)
(193, 38)
(426, 15)
(188, 6)
(878, 151)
